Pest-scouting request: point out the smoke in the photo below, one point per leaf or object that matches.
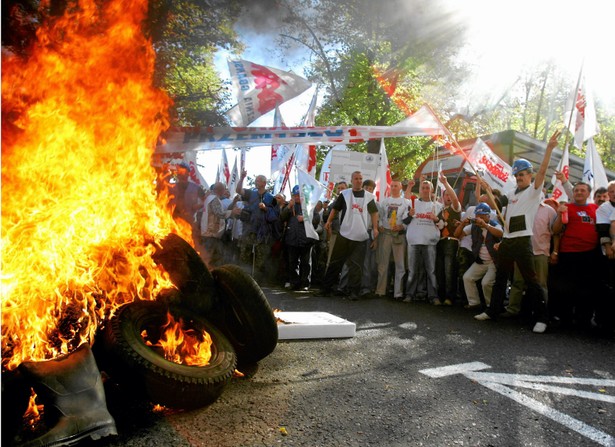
(263, 17)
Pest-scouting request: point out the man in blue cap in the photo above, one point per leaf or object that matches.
(485, 233)
(516, 245)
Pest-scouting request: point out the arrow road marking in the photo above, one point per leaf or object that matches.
(501, 383)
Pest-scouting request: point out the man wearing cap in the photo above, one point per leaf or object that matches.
(485, 233)
(516, 245)
(543, 255)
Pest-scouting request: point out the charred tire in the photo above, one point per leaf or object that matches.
(133, 363)
(244, 315)
(188, 273)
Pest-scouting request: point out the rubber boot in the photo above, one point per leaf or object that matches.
(72, 391)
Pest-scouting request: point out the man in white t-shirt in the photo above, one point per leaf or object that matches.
(422, 235)
(392, 211)
(516, 245)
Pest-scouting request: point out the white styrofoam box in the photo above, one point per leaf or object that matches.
(302, 325)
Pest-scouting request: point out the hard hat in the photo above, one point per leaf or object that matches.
(521, 165)
(482, 208)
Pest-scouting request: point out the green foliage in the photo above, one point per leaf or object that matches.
(186, 34)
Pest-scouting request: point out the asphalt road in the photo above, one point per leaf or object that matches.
(386, 386)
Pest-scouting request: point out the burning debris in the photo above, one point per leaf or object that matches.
(80, 216)
(84, 231)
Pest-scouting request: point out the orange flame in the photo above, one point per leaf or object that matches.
(182, 346)
(80, 215)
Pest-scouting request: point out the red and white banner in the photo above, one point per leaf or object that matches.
(580, 114)
(593, 170)
(195, 175)
(260, 89)
(559, 193)
(310, 192)
(196, 139)
(495, 171)
(383, 176)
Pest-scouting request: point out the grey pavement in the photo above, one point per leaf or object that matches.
(386, 386)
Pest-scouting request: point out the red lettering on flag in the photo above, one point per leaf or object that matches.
(268, 82)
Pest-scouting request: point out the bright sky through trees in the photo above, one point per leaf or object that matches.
(504, 38)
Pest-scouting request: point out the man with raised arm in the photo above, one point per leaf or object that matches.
(516, 245)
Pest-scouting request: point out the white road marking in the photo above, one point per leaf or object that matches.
(450, 370)
(501, 383)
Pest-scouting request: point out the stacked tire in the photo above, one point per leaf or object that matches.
(227, 303)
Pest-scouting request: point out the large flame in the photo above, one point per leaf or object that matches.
(80, 214)
(182, 345)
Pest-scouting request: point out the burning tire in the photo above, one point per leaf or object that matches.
(188, 273)
(244, 315)
(134, 363)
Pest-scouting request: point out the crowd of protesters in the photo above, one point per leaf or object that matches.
(518, 255)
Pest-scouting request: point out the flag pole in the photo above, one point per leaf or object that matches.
(467, 160)
(401, 104)
(574, 104)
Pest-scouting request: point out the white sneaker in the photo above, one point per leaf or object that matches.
(539, 328)
(482, 317)
(287, 285)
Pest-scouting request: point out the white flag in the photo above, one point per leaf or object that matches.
(242, 164)
(563, 166)
(234, 179)
(439, 185)
(305, 157)
(325, 170)
(310, 191)
(260, 89)
(224, 171)
(195, 174)
(581, 114)
(383, 176)
(280, 153)
(593, 170)
(425, 119)
(495, 171)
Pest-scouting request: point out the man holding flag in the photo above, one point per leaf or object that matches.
(516, 245)
(298, 243)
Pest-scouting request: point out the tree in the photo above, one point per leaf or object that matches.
(186, 34)
(350, 39)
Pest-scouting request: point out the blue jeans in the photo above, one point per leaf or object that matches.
(422, 255)
(517, 250)
(446, 268)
